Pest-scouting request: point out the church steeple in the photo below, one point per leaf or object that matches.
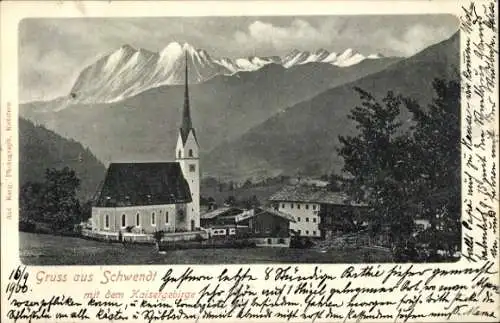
(186, 125)
(187, 155)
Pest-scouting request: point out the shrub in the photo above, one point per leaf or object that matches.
(27, 226)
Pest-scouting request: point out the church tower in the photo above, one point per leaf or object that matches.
(187, 155)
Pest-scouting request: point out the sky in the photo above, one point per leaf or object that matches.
(53, 51)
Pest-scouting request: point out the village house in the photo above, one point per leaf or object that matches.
(318, 212)
(221, 216)
(264, 226)
(143, 198)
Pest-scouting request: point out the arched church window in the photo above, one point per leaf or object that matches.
(190, 153)
(137, 219)
(179, 154)
(124, 220)
(106, 221)
(153, 219)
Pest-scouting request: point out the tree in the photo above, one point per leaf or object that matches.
(436, 164)
(372, 158)
(404, 173)
(61, 207)
(30, 205)
(86, 211)
(53, 201)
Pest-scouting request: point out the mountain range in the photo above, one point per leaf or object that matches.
(129, 71)
(282, 115)
(144, 127)
(303, 138)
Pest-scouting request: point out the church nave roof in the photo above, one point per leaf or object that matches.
(134, 184)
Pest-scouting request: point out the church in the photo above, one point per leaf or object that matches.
(153, 196)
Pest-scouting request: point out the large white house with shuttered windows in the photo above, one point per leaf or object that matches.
(317, 211)
(303, 205)
(306, 216)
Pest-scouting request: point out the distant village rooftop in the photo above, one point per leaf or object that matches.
(225, 211)
(240, 214)
(263, 210)
(311, 194)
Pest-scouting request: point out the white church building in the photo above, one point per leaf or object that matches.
(153, 196)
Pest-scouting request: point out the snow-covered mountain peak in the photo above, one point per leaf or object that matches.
(322, 51)
(347, 53)
(375, 56)
(146, 52)
(203, 53)
(127, 47)
(189, 48)
(293, 52)
(347, 58)
(123, 51)
(331, 58)
(128, 71)
(172, 49)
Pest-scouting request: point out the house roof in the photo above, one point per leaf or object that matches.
(241, 214)
(259, 211)
(303, 193)
(222, 211)
(131, 184)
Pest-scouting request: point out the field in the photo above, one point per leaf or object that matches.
(41, 249)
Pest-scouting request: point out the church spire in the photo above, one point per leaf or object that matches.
(186, 125)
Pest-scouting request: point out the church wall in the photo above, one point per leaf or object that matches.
(190, 166)
(146, 223)
(182, 217)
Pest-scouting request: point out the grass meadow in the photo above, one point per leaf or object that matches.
(45, 249)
